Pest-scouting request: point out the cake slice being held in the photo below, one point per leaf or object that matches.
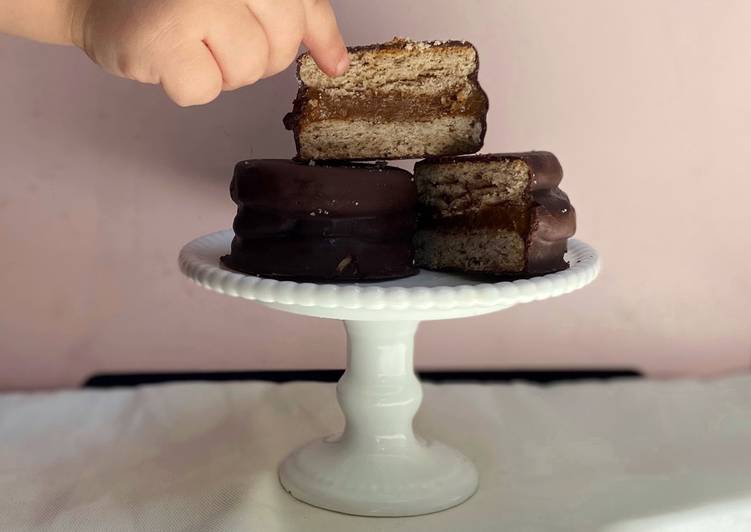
(498, 214)
(398, 100)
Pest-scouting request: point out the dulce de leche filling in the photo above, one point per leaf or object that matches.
(382, 106)
(512, 217)
(551, 207)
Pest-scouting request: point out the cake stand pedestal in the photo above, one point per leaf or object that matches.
(378, 466)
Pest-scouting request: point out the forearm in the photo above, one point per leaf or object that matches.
(51, 21)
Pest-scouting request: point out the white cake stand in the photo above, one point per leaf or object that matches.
(377, 466)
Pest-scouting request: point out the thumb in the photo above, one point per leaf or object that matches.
(323, 39)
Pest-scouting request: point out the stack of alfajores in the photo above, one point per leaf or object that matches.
(323, 217)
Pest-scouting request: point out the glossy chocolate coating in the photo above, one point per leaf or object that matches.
(553, 222)
(333, 222)
(547, 220)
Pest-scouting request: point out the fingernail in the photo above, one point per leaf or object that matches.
(342, 65)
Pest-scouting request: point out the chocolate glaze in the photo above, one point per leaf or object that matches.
(334, 222)
(263, 224)
(547, 219)
(294, 120)
(553, 222)
(333, 188)
(322, 259)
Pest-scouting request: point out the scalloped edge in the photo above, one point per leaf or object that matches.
(199, 260)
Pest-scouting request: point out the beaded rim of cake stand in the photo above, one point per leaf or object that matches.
(199, 260)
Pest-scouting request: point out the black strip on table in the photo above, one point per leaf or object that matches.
(110, 380)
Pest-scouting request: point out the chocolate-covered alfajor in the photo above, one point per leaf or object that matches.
(334, 222)
(500, 213)
(401, 99)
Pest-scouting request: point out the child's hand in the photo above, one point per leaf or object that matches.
(197, 48)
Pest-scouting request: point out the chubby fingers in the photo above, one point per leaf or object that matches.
(236, 45)
(283, 23)
(190, 75)
(289, 22)
(226, 49)
(323, 39)
(239, 44)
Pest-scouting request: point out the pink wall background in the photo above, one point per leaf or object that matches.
(646, 104)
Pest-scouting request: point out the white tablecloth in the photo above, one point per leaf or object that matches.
(620, 456)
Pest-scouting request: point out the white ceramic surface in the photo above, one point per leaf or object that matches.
(426, 296)
(377, 465)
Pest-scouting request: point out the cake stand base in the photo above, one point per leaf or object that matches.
(327, 474)
(378, 466)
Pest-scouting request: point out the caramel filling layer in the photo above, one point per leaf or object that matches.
(511, 217)
(464, 99)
